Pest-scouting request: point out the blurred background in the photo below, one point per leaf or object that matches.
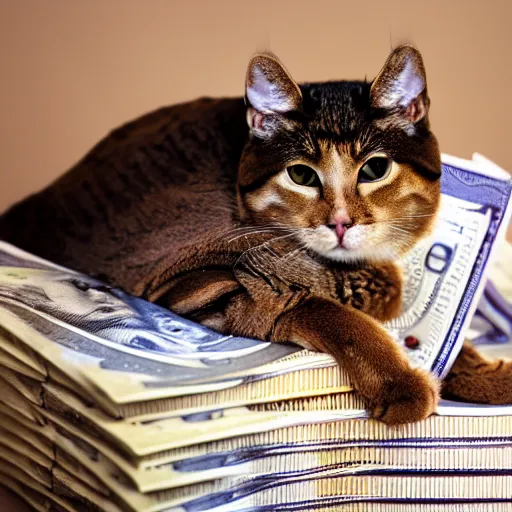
(72, 71)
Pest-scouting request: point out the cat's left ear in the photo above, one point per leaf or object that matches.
(401, 85)
(270, 91)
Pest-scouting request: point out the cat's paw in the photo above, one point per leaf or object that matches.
(407, 398)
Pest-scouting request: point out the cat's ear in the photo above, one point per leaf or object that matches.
(401, 85)
(269, 91)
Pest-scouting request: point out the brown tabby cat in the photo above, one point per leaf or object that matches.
(278, 219)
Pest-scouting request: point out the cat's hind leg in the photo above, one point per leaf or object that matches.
(476, 379)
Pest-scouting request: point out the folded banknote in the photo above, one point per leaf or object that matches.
(463, 447)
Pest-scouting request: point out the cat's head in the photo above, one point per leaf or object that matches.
(351, 168)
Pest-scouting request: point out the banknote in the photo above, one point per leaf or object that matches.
(61, 473)
(335, 491)
(38, 446)
(13, 349)
(124, 350)
(40, 443)
(347, 485)
(392, 506)
(33, 468)
(63, 360)
(202, 496)
(284, 461)
(35, 494)
(252, 476)
(440, 272)
(66, 492)
(250, 454)
(206, 494)
(12, 397)
(7, 360)
(140, 439)
(285, 469)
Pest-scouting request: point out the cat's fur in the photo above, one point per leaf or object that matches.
(192, 207)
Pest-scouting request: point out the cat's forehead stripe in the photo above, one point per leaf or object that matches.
(337, 109)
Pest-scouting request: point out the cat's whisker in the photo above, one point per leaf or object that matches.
(409, 225)
(392, 224)
(292, 253)
(247, 229)
(398, 229)
(270, 241)
(253, 228)
(250, 228)
(260, 228)
(260, 231)
(262, 245)
(415, 216)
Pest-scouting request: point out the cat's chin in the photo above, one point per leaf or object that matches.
(356, 247)
(341, 254)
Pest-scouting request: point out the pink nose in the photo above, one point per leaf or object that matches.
(341, 217)
(340, 231)
(340, 222)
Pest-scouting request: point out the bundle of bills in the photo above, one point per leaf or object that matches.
(110, 403)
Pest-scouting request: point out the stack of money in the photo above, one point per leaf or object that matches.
(111, 403)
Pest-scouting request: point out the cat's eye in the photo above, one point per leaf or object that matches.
(374, 169)
(303, 175)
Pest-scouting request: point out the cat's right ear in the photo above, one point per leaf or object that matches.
(270, 91)
(401, 86)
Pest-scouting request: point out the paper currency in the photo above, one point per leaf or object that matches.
(311, 462)
(35, 494)
(340, 490)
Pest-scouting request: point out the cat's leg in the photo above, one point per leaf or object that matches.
(476, 379)
(381, 373)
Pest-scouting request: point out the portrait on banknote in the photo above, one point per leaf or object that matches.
(106, 312)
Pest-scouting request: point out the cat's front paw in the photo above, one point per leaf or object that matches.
(409, 397)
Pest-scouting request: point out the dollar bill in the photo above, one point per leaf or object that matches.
(340, 490)
(392, 506)
(66, 492)
(244, 455)
(35, 494)
(41, 443)
(17, 352)
(277, 471)
(116, 404)
(257, 472)
(140, 439)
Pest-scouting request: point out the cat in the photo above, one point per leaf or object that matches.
(277, 216)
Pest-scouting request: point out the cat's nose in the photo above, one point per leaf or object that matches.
(339, 223)
(339, 229)
(342, 218)
(344, 225)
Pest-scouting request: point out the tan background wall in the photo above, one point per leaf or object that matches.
(72, 70)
